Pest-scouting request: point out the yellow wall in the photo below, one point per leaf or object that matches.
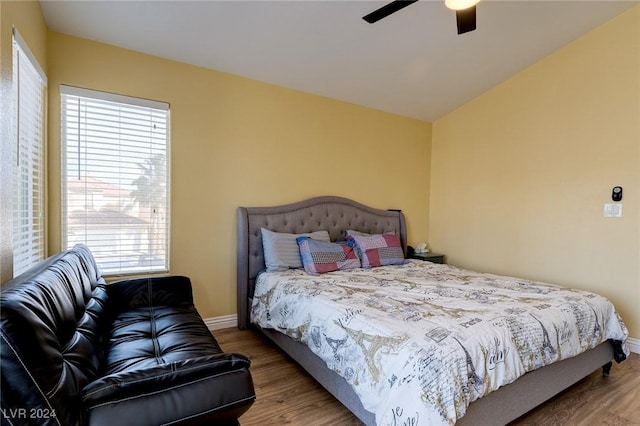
(27, 17)
(238, 142)
(519, 175)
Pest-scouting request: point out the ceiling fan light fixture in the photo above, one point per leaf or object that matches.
(460, 4)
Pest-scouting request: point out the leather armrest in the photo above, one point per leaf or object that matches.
(153, 291)
(141, 383)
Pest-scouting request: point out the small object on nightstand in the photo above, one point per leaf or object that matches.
(430, 257)
(421, 248)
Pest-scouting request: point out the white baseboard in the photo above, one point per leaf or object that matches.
(225, 321)
(634, 345)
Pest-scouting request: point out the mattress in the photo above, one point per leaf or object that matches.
(419, 342)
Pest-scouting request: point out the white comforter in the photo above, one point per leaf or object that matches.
(420, 341)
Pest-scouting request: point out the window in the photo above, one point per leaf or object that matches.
(116, 179)
(29, 86)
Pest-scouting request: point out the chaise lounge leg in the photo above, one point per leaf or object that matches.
(606, 369)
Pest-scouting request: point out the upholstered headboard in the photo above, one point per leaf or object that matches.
(334, 214)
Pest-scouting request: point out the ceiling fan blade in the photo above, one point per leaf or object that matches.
(387, 10)
(466, 19)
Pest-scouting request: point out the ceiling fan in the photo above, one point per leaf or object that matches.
(465, 12)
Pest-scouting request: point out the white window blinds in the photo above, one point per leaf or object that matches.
(29, 86)
(116, 179)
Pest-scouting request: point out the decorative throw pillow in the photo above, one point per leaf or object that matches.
(378, 250)
(319, 257)
(281, 250)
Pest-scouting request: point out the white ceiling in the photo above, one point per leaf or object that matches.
(411, 63)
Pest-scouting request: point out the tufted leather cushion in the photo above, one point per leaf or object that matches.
(164, 360)
(154, 322)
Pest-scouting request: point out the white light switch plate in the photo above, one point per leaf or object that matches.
(613, 210)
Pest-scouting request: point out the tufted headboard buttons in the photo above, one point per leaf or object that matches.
(333, 214)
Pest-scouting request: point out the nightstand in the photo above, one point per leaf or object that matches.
(430, 257)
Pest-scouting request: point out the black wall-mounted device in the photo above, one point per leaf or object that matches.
(616, 193)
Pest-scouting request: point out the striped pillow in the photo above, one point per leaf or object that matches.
(281, 250)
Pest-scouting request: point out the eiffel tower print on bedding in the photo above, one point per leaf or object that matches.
(419, 342)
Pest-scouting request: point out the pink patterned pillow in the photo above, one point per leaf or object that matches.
(378, 250)
(319, 257)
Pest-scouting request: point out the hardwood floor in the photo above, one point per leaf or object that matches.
(286, 394)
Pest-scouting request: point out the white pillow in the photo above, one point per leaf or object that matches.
(281, 250)
(352, 233)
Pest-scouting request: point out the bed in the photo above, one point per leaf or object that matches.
(480, 398)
